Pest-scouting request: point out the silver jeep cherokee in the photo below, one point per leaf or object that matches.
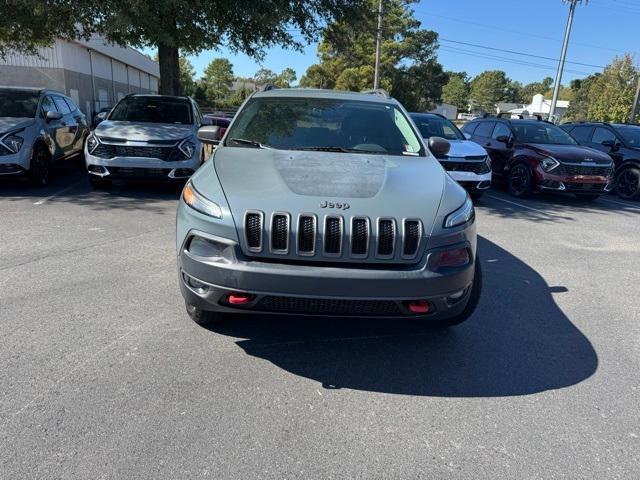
(326, 203)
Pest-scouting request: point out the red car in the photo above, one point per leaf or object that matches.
(535, 155)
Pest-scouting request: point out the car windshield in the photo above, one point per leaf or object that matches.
(325, 125)
(152, 110)
(437, 127)
(631, 134)
(18, 104)
(541, 132)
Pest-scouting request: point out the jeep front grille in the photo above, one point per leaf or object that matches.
(333, 236)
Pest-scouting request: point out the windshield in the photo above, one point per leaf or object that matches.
(630, 134)
(18, 104)
(324, 124)
(437, 127)
(152, 110)
(542, 132)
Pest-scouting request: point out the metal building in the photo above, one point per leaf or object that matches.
(93, 73)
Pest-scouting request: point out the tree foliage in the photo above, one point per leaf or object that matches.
(408, 66)
(457, 90)
(611, 94)
(218, 79)
(487, 89)
(187, 77)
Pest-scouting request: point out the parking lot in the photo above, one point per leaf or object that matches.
(105, 376)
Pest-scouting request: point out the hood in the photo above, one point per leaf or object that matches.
(300, 182)
(570, 153)
(14, 123)
(143, 132)
(465, 148)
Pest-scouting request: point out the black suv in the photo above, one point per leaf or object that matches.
(532, 155)
(622, 143)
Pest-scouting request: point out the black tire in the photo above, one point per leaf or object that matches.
(99, 183)
(587, 197)
(203, 317)
(628, 183)
(474, 299)
(40, 166)
(520, 181)
(475, 196)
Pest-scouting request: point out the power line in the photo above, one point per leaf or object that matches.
(531, 55)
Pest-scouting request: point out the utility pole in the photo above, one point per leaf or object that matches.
(563, 56)
(376, 72)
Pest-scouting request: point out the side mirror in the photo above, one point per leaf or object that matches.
(439, 146)
(51, 116)
(506, 139)
(612, 144)
(209, 134)
(101, 116)
(206, 121)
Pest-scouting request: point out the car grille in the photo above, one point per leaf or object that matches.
(571, 170)
(474, 166)
(142, 173)
(585, 186)
(106, 150)
(347, 238)
(320, 306)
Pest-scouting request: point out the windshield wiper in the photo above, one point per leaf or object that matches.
(339, 149)
(251, 143)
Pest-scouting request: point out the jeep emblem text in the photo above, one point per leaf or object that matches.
(338, 205)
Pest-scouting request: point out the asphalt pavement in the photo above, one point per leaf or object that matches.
(103, 375)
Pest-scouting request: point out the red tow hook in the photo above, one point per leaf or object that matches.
(418, 306)
(238, 298)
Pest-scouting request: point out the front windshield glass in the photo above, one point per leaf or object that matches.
(325, 125)
(437, 127)
(541, 132)
(630, 134)
(18, 104)
(152, 110)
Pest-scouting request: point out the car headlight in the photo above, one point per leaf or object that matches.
(461, 216)
(188, 148)
(198, 202)
(549, 163)
(13, 142)
(92, 143)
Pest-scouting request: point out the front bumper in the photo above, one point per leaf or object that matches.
(15, 163)
(140, 168)
(471, 181)
(316, 289)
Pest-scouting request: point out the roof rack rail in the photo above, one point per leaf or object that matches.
(488, 115)
(380, 92)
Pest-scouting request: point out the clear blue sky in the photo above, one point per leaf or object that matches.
(602, 29)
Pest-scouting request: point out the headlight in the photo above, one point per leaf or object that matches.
(196, 201)
(92, 143)
(549, 163)
(13, 142)
(461, 216)
(187, 147)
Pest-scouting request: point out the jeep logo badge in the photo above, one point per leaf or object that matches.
(338, 205)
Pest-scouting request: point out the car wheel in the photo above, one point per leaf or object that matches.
(99, 183)
(628, 183)
(40, 166)
(520, 181)
(203, 317)
(587, 197)
(472, 303)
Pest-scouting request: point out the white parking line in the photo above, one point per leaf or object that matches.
(620, 203)
(46, 199)
(521, 205)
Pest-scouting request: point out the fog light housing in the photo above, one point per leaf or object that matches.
(552, 185)
(203, 247)
(196, 285)
(456, 297)
(451, 258)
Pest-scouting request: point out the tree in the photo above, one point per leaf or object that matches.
(264, 76)
(408, 66)
(513, 91)
(286, 78)
(456, 91)
(171, 25)
(187, 75)
(487, 89)
(218, 78)
(611, 94)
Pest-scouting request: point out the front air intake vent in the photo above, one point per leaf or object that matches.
(280, 233)
(253, 225)
(307, 235)
(360, 236)
(333, 235)
(412, 234)
(386, 237)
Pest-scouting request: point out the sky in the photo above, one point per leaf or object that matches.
(602, 29)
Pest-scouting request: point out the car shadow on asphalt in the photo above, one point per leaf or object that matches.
(69, 184)
(518, 342)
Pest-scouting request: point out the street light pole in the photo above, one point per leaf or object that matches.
(376, 72)
(563, 55)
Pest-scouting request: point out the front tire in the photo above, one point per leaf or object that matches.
(203, 317)
(628, 183)
(472, 303)
(39, 166)
(520, 181)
